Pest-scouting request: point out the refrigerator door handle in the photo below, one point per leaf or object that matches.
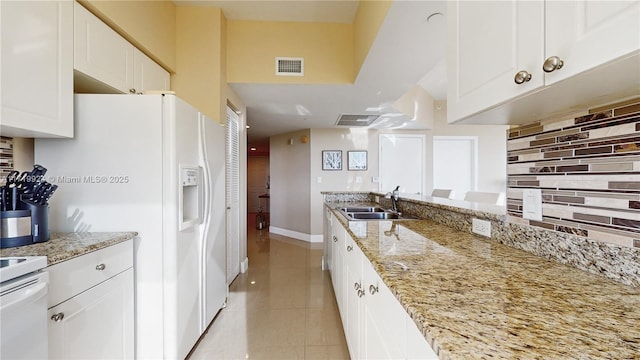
(206, 220)
(206, 171)
(206, 194)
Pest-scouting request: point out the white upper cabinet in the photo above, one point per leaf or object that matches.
(103, 55)
(100, 52)
(514, 62)
(148, 75)
(36, 91)
(489, 42)
(585, 34)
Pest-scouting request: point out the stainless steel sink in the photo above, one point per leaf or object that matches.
(362, 209)
(374, 216)
(370, 213)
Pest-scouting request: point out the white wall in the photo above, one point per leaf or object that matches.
(492, 149)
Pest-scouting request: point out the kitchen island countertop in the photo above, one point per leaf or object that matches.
(64, 246)
(474, 298)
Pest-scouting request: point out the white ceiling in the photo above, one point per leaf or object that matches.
(408, 50)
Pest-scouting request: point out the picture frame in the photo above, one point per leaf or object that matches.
(357, 160)
(331, 159)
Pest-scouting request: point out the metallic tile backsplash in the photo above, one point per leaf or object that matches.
(588, 168)
(6, 157)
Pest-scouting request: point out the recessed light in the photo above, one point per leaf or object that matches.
(253, 149)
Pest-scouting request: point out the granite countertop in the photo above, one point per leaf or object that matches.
(64, 246)
(473, 298)
(487, 211)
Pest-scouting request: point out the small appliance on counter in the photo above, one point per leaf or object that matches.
(24, 208)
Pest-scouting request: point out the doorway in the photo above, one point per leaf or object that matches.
(258, 184)
(455, 164)
(402, 164)
(233, 194)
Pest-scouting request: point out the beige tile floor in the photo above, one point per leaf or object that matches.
(283, 307)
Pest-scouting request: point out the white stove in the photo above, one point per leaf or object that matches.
(13, 267)
(23, 307)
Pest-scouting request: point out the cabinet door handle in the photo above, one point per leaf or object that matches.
(552, 63)
(373, 289)
(335, 238)
(101, 267)
(132, 91)
(360, 293)
(349, 248)
(57, 317)
(522, 77)
(357, 286)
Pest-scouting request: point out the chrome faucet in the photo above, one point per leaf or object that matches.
(394, 199)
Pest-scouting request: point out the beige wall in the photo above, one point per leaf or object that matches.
(327, 50)
(153, 33)
(23, 154)
(369, 18)
(345, 140)
(290, 171)
(417, 104)
(198, 55)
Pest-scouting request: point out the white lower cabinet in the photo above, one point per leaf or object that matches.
(337, 280)
(375, 324)
(384, 319)
(417, 345)
(352, 297)
(97, 320)
(96, 324)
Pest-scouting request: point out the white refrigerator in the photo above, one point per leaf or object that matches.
(155, 165)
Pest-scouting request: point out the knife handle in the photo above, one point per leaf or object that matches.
(14, 198)
(3, 198)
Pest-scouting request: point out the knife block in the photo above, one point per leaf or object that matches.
(16, 228)
(39, 222)
(25, 226)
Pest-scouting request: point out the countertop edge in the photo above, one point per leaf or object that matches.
(65, 246)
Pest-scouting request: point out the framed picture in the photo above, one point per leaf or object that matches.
(357, 160)
(331, 159)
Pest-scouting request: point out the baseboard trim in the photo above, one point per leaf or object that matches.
(244, 265)
(297, 235)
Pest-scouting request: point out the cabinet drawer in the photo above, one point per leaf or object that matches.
(97, 324)
(71, 277)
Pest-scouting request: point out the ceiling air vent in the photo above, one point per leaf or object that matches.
(352, 120)
(287, 66)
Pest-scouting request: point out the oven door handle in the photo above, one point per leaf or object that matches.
(30, 295)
